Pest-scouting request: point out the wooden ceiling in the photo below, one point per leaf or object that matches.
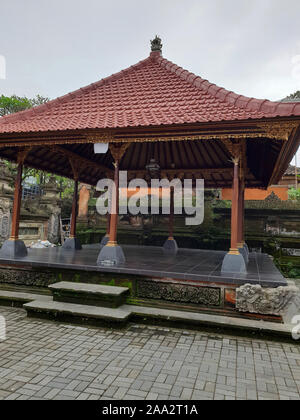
(206, 159)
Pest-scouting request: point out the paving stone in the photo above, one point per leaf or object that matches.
(41, 360)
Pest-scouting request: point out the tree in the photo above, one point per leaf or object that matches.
(294, 194)
(14, 103)
(293, 96)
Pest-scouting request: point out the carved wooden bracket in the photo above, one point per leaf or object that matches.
(76, 168)
(237, 151)
(234, 148)
(22, 155)
(118, 150)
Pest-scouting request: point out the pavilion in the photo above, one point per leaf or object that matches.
(153, 110)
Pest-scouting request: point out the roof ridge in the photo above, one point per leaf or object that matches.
(238, 100)
(21, 115)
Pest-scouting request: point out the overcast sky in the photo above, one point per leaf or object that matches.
(53, 47)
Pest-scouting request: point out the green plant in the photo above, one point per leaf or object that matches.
(14, 103)
(294, 194)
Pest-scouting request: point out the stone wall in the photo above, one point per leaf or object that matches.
(40, 216)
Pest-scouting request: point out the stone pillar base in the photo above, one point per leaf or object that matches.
(13, 248)
(72, 244)
(104, 240)
(234, 262)
(111, 255)
(243, 250)
(170, 246)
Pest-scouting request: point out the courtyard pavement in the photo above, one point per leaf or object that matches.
(47, 360)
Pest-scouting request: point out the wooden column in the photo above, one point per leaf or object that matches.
(21, 156)
(107, 224)
(74, 210)
(17, 204)
(241, 214)
(171, 217)
(235, 208)
(117, 151)
(114, 208)
(73, 243)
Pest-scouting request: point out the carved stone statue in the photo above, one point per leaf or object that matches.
(156, 44)
(255, 299)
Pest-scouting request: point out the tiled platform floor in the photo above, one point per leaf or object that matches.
(47, 360)
(188, 264)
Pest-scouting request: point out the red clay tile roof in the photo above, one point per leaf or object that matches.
(291, 171)
(150, 93)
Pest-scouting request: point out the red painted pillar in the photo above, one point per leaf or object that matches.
(114, 208)
(107, 224)
(241, 214)
(17, 204)
(171, 217)
(235, 209)
(74, 210)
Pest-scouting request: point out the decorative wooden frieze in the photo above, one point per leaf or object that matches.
(207, 296)
(278, 130)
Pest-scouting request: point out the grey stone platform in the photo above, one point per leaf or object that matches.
(187, 264)
(89, 294)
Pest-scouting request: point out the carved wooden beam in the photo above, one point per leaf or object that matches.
(80, 162)
(180, 173)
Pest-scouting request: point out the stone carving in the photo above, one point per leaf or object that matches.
(27, 278)
(53, 228)
(273, 199)
(5, 226)
(255, 299)
(156, 44)
(179, 293)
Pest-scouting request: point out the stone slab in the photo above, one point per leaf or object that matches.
(201, 320)
(91, 315)
(89, 288)
(12, 298)
(89, 294)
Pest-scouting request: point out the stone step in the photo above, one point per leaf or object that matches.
(89, 294)
(95, 316)
(83, 314)
(17, 299)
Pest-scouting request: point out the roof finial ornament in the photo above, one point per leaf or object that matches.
(156, 44)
